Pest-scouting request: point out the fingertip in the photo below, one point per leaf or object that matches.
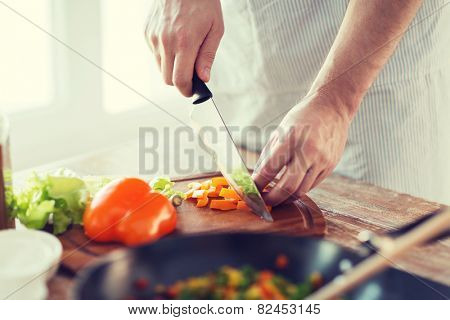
(206, 73)
(259, 180)
(187, 92)
(183, 85)
(267, 199)
(203, 72)
(273, 198)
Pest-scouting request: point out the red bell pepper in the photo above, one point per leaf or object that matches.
(127, 211)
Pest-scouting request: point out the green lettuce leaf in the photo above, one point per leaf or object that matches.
(245, 181)
(37, 214)
(57, 197)
(61, 221)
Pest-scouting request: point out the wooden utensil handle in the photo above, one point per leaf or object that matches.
(384, 257)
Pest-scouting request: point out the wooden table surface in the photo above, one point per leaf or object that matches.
(349, 207)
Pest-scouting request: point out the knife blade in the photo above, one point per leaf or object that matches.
(216, 139)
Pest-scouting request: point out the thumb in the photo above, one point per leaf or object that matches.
(206, 54)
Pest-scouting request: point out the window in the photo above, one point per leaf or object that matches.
(26, 70)
(57, 98)
(126, 55)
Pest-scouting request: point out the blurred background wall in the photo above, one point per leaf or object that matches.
(77, 76)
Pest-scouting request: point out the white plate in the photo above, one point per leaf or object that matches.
(28, 258)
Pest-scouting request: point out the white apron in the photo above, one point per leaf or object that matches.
(400, 139)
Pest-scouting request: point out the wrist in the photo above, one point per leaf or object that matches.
(341, 93)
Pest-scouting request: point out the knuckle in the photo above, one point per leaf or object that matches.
(311, 147)
(323, 158)
(153, 39)
(208, 56)
(301, 191)
(164, 38)
(183, 85)
(182, 39)
(288, 190)
(179, 81)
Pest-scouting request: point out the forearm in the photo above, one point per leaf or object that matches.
(366, 39)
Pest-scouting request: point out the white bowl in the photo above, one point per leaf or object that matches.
(28, 258)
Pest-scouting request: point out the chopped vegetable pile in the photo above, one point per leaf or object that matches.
(243, 283)
(218, 194)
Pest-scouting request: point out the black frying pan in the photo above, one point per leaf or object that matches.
(177, 258)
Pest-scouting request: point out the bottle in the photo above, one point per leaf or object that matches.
(6, 221)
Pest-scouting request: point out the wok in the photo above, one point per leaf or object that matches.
(176, 258)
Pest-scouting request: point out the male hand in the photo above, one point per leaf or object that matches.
(184, 35)
(308, 144)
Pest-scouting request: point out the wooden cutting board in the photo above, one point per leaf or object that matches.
(301, 218)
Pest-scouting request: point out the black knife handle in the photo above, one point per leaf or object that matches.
(200, 92)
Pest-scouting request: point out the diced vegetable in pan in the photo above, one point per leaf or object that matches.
(244, 283)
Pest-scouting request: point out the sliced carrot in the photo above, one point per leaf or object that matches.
(242, 205)
(202, 202)
(270, 291)
(229, 193)
(265, 275)
(223, 204)
(213, 192)
(219, 181)
(316, 279)
(200, 194)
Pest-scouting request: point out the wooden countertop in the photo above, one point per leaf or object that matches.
(349, 207)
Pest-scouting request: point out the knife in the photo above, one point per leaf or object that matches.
(215, 138)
